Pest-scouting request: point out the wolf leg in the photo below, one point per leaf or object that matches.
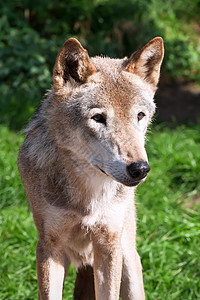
(51, 272)
(132, 281)
(84, 285)
(107, 269)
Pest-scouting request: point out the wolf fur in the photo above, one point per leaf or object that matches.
(81, 160)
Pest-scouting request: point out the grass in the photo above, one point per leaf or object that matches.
(168, 220)
(168, 231)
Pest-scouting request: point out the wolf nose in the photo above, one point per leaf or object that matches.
(138, 170)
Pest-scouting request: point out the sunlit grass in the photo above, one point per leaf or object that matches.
(168, 232)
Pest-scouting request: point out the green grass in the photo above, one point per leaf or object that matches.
(168, 231)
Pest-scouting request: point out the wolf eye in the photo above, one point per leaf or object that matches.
(140, 116)
(99, 118)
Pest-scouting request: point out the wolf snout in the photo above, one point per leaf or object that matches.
(138, 170)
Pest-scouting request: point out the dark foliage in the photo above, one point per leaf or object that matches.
(33, 31)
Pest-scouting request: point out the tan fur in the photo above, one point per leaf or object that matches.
(80, 173)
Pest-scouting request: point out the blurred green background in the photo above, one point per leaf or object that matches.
(31, 34)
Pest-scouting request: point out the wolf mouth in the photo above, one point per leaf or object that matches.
(102, 171)
(127, 183)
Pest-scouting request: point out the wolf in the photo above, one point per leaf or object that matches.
(80, 163)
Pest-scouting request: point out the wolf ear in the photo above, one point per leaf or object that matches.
(146, 62)
(72, 61)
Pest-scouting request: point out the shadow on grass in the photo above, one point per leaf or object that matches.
(177, 102)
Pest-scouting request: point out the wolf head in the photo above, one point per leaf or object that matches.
(101, 108)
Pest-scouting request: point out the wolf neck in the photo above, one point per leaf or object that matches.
(92, 188)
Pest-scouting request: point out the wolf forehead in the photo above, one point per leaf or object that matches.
(112, 86)
(118, 82)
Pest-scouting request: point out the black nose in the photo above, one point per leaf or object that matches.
(138, 170)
